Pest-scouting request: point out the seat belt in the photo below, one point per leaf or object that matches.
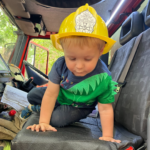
(121, 81)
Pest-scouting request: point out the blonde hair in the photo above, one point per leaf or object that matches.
(82, 41)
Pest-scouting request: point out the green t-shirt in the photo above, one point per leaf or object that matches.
(95, 86)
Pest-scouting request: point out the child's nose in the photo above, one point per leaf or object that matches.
(79, 65)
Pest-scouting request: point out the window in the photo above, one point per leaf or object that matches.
(42, 54)
(7, 37)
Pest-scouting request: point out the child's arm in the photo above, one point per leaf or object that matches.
(107, 122)
(48, 103)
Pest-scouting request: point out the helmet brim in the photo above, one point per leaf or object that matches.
(55, 40)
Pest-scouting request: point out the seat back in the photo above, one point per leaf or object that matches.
(134, 101)
(133, 26)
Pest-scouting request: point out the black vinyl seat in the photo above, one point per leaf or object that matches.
(78, 136)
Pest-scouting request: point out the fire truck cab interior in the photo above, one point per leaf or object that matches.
(40, 19)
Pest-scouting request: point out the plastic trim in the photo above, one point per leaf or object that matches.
(131, 27)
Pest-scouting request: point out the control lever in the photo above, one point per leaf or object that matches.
(26, 83)
(25, 86)
(16, 73)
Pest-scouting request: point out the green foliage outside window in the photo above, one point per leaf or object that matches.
(7, 36)
(41, 55)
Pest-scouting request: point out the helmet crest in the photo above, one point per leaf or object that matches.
(85, 22)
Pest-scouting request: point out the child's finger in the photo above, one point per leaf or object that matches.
(37, 128)
(33, 127)
(29, 127)
(42, 128)
(117, 141)
(113, 140)
(53, 129)
(101, 138)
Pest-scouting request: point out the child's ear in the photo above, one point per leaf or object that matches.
(101, 51)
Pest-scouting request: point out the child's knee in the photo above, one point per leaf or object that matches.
(30, 97)
(57, 121)
(35, 95)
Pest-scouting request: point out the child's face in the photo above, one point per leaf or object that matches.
(81, 61)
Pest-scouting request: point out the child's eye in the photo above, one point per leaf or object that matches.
(88, 59)
(72, 58)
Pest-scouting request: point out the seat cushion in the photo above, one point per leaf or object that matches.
(81, 135)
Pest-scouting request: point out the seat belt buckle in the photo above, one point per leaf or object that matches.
(120, 85)
(117, 89)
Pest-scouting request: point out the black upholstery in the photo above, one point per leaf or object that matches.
(147, 14)
(131, 27)
(78, 136)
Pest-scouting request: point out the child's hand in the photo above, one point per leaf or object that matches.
(109, 139)
(42, 126)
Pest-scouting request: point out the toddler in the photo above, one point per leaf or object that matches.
(79, 80)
